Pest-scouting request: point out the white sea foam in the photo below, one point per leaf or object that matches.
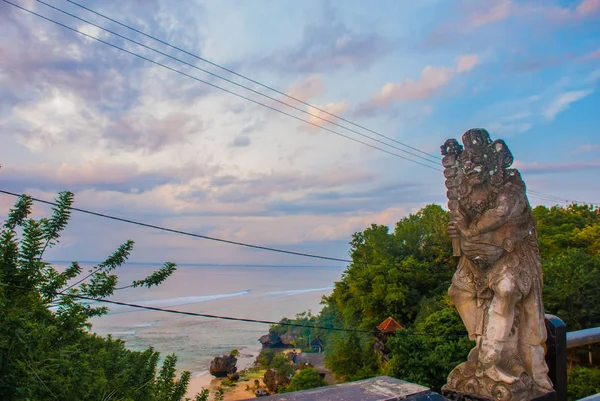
(149, 324)
(170, 302)
(122, 333)
(289, 293)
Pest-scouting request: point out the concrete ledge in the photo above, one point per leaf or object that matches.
(382, 388)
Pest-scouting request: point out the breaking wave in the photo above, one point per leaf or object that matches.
(170, 302)
(289, 293)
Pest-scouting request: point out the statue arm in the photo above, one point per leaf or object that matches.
(507, 204)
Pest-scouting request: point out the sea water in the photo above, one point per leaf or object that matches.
(262, 293)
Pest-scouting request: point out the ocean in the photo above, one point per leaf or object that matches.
(263, 293)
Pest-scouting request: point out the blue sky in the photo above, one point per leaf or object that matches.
(136, 140)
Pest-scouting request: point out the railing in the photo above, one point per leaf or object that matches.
(583, 337)
(559, 340)
(387, 388)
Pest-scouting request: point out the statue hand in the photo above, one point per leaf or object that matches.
(470, 232)
(453, 231)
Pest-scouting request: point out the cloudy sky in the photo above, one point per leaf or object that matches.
(134, 139)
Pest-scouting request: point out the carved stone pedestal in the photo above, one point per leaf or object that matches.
(466, 383)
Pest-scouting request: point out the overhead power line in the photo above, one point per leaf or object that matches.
(539, 195)
(209, 316)
(171, 230)
(436, 158)
(554, 198)
(221, 88)
(178, 312)
(435, 162)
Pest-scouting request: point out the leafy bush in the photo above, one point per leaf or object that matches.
(583, 382)
(305, 379)
(48, 354)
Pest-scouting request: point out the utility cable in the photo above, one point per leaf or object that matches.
(179, 312)
(218, 87)
(210, 316)
(559, 199)
(236, 83)
(250, 79)
(171, 230)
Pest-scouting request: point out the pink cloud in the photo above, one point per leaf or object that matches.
(93, 174)
(498, 12)
(431, 80)
(467, 62)
(336, 109)
(306, 88)
(485, 13)
(592, 56)
(588, 7)
(551, 168)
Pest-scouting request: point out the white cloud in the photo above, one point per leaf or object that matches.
(563, 101)
(587, 148)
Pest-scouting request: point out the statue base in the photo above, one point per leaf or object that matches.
(467, 383)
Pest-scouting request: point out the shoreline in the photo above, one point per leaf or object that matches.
(203, 379)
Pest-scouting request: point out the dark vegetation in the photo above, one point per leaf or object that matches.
(49, 354)
(405, 273)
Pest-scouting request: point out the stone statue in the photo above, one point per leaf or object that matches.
(497, 287)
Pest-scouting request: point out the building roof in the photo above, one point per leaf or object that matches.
(389, 325)
(316, 342)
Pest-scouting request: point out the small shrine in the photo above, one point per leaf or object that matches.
(386, 329)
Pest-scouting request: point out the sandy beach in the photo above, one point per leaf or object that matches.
(204, 379)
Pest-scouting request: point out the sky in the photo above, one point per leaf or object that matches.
(137, 140)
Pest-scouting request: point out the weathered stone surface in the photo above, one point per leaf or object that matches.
(381, 388)
(497, 287)
(274, 340)
(261, 392)
(221, 366)
(235, 376)
(270, 340)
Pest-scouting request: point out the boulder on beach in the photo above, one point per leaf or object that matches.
(221, 366)
(274, 340)
(261, 392)
(270, 340)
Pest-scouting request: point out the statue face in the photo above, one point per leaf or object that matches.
(476, 171)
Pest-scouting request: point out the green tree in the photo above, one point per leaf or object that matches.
(426, 353)
(49, 355)
(571, 288)
(351, 357)
(583, 382)
(390, 274)
(406, 273)
(305, 379)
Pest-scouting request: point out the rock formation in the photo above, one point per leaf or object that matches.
(497, 287)
(221, 366)
(274, 340)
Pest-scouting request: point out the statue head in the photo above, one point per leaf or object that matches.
(484, 161)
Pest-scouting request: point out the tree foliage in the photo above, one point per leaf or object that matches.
(49, 354)
(406, 273)
(583, 382)
(305, 379)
